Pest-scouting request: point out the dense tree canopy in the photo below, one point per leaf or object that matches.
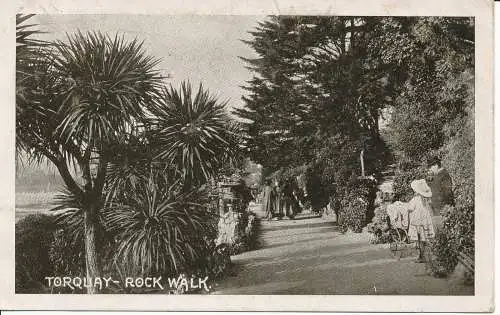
(328, 89)
(436, 56)
(315, 82)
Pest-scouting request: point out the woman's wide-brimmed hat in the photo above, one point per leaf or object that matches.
(420, 187)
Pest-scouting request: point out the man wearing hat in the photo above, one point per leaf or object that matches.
(421, 228)
(441, 187)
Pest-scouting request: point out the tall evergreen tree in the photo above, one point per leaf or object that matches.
(313, 80)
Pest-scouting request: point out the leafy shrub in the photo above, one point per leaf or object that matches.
(353, 214)
(67, 253)
(456, 235)
(405, 174)
(356, 204)
(379, 228)
(34, 235)
(157, 228)
(458, 222)
(160, 226)
(459, 161)
(415, 129)
(444, 251)
(215, 263)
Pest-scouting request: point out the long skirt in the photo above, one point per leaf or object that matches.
(267, 204)
(278, 204)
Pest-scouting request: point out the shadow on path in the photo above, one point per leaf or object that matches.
(268, 226)
(312, 257)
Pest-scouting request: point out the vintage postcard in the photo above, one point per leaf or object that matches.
(286, 155)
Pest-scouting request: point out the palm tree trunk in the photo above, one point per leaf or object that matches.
(93, 193)
(91, 261)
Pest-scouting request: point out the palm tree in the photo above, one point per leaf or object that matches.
(192, 132)
(154, 206)
(91, 93)
(160, 228)
(29, 52)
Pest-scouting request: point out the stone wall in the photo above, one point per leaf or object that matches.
(238, 230)
(228, 228)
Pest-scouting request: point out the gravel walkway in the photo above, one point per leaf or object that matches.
(310, 256)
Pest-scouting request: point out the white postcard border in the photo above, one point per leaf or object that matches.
(483, 299)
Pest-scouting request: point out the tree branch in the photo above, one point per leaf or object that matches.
(60, 162)
(85, 166)
(101, 175)
(67, 177)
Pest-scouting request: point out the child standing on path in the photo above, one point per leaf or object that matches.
(421, 228)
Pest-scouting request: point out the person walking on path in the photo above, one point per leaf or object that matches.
(278, 199)
(421, 228)
(441, 188)
(289, 201)
(267, 200)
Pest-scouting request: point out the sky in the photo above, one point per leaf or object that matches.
(202, 49)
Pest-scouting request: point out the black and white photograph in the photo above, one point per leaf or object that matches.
(273, 154)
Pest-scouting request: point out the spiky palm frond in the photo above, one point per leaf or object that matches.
(68, 249)
(239, 137)
(37, 100)
(191, 132)
(69, 210)
(132, 163)
(108, 81)
(27, 47)
(160, 229)
(32, 66)
(85, 94)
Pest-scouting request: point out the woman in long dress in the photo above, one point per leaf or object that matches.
(421, 228)
(278, 199)
(267, 200)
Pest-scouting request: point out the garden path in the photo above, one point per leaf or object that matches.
(310, 256)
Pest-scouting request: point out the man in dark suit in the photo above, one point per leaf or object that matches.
(290, 203)
(441, 186)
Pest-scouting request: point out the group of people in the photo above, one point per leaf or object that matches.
(281, 199)
(424, 209)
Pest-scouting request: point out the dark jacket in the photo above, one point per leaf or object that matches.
(442, 193)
